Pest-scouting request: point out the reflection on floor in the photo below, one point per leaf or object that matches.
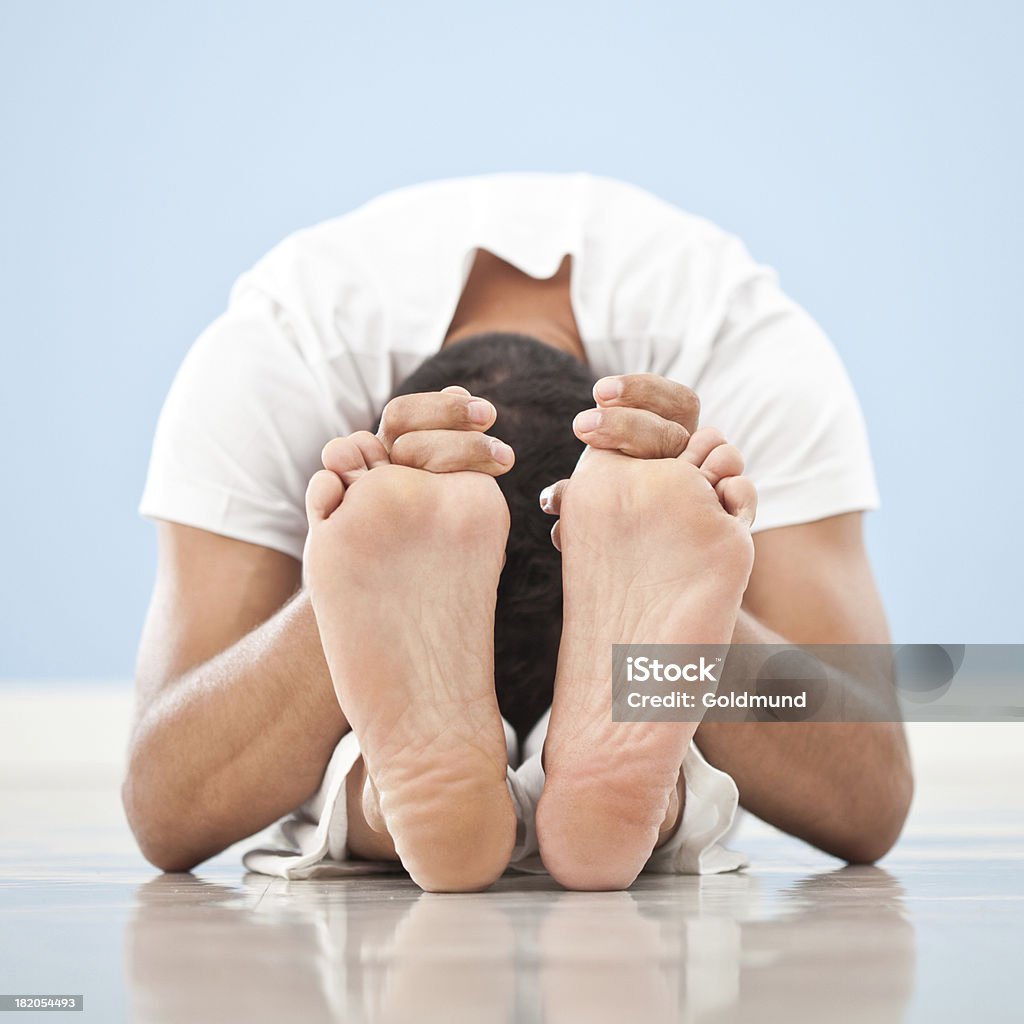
(721, 948)
(933, 935)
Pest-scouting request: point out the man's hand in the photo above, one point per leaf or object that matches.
(642, 415)
(436, 431)
(443, 432)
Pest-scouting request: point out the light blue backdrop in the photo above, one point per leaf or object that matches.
(871, 151)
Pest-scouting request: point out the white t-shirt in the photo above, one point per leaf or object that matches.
(321, 330)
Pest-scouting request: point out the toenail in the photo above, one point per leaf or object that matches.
(588, 421)
(608, 388)
(501, 452)
(546, 497)
(481, 412)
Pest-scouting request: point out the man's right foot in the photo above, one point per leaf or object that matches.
(403, 570)
(653, 552)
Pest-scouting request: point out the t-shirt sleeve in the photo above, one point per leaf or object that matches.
(774, 384)
(241, 430)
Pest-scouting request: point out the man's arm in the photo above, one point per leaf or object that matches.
(844, 787)
(236, 715)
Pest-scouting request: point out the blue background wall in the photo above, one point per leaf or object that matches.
(870, 151)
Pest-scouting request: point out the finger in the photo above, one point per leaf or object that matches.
(738, 496)
(556, 535)
(452, 451)
(454, 389)
(350, 457)
(668, 398)
(702, 442)
(323, 495)
(551, 497)
(724, 461)
(636, 432)
(434, 410)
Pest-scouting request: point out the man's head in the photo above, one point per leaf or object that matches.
(537, 390)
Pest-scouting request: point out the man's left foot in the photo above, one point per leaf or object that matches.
(655, 551)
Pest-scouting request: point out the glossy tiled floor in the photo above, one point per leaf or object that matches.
(934, 935)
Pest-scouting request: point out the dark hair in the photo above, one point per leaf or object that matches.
(537, 391)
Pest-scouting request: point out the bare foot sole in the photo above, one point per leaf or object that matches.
(654, 551)
(403, 571)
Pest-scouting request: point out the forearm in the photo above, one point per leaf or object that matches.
(845, 787)
(234, 743)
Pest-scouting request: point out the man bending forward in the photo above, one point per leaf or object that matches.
(462, 343)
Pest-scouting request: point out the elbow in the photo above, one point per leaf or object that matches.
(874, 827)
(163, 845)
(167, 859)
(867, 848)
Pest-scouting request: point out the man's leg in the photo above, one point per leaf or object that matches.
(403, 571)
(654, 551)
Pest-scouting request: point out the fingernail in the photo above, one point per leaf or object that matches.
(608, 388)
(481, 412)
(588, 421)
(546, 497)
(501, 452)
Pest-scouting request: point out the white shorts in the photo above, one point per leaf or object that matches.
(313, 841)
